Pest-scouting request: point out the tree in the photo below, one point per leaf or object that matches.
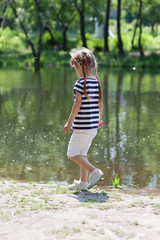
(132, 13)
(37, 9)
(106, 29)
(81, 11)
(151, 15)
(120, 43)
(65, 16)
(138, 23)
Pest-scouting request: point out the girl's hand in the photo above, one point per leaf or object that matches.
(100, 124)
(67, 128)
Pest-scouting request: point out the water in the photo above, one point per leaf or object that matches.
(35, 106)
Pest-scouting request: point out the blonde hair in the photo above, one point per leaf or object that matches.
(86, 59)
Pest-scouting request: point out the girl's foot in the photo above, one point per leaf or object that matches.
(79, 185)
(94, 177)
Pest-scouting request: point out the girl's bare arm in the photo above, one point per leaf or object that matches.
(100, 111)
(74, 111)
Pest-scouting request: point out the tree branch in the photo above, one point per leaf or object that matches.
(5, 7)
(76, 5)
(23, 28)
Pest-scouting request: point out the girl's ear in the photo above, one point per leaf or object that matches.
(79, 66)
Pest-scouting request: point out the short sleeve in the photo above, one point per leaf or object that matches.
(78, 87)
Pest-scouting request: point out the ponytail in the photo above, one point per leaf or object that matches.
(85, 79)
(100, 92)
(99, 85)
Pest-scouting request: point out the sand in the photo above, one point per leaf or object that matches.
(32, 211)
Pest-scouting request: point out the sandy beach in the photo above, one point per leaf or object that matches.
(33, 211)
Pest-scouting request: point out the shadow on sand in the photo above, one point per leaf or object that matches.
(86, 196)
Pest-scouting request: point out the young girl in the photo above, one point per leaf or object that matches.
(85, 116)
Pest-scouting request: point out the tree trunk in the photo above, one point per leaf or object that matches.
(82, 21)
(140, 30)
(65, 38)
(37, 60)
(1, 19)
(120, 44)
(106, 30)
(152, 26)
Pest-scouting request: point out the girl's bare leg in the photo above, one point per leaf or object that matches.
(83, 162)
(84, 172)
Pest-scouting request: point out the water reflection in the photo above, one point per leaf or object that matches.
(35, 105)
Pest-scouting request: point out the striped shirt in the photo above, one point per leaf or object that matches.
(88, 115)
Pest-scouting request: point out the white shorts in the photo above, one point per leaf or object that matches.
(80, 142)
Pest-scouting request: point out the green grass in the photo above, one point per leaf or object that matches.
(5, 217)
(119, 233)
(52, 58)
(22, 198)
(116, 181)
(105, 207)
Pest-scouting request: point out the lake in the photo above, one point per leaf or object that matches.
(34, 106)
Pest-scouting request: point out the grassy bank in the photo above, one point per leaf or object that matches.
(15, 52)
(61, 58)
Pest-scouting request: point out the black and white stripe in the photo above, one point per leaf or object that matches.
(88, 115)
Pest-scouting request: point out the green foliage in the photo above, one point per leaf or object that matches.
(61, 58)
(115, 181)
(149, 42)
(94, 43)
(58, 37)
(11, 41)
(46, 40)
(60, 14)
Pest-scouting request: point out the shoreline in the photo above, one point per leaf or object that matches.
(50, 212)
(53, 58)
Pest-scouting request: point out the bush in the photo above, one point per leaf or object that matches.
(149, 42)
(11, 41)
(113, 42)
(46, 40)
(126, 38)
(94, 43)
(58, 38)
